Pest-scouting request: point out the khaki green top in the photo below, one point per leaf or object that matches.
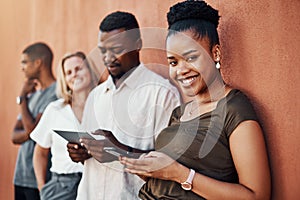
(201, 144)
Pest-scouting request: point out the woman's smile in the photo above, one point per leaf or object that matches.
(188, 81)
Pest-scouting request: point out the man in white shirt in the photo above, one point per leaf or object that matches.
(134, 104)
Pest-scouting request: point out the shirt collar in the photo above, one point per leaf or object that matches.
(129, 79)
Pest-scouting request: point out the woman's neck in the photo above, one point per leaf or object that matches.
(78, 102)
(205, 101)
(214, 92)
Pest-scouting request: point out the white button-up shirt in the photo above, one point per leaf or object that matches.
(60, 116)
(135, 113)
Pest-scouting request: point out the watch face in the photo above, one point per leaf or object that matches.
(19, 100)
(186, 186)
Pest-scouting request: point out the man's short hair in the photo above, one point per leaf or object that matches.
(121, 20)
(41, 51)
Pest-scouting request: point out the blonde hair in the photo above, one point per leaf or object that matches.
(62, 89)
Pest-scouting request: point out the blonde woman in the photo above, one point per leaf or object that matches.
(75, 79)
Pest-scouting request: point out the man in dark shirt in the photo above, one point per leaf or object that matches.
(36, 63)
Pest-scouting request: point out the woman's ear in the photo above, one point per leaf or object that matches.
(216, 53)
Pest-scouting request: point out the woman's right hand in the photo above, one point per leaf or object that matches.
(40, 186)
(154, 164)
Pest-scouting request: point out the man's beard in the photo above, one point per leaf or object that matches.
(116, 77)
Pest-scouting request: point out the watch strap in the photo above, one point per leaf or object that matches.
(190, 177)
(187, 185)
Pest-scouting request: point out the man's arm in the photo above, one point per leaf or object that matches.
(24, 127)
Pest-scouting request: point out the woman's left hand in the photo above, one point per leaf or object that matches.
(154, 164)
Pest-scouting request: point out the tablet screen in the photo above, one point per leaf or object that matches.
(73, 136)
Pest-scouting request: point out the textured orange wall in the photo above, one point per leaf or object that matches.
(260, 43)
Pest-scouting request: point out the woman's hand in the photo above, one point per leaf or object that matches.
(154, 164)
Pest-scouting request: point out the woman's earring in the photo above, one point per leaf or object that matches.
(218, 66)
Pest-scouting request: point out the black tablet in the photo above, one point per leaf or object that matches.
(73, 136)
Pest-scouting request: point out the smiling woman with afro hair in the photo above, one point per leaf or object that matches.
(214, 146)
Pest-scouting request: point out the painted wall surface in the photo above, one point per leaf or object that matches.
(260, 44)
